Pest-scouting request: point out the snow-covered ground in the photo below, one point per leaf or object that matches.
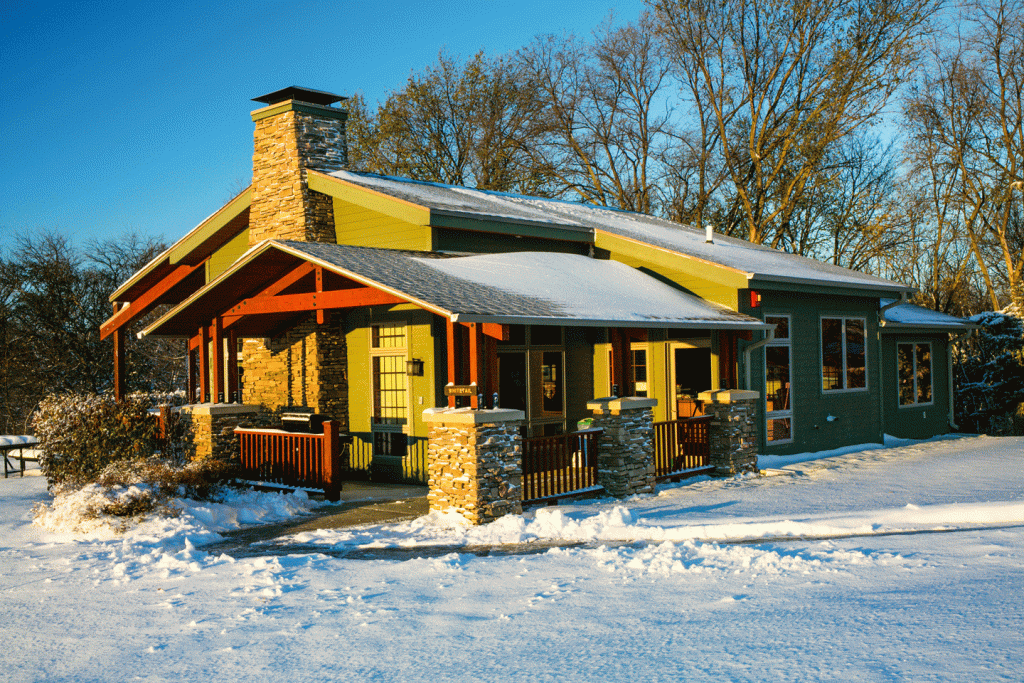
(902, 563)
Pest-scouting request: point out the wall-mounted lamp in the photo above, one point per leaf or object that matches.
(414, 367)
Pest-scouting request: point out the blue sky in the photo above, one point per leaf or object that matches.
(123, 116)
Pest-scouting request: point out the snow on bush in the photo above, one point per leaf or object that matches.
(990, 374)
(80, 434)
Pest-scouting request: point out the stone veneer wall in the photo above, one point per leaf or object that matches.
(306, 367)
(475, 462)
(733, 430)
(286, 144)
(210, 428)
(625, 452)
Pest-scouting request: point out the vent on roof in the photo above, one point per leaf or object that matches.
(294, 92)
(709, 234)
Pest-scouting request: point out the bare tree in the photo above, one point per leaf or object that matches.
(784, 82)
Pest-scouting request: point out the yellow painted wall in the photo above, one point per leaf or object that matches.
(361, 227)
(226, 255)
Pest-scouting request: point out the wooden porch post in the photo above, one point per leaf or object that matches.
(451, 359)
(233, 366)
(618, 368)
(120, 365)
(218, 361)
(204, 363)
(475, 359)
(190, 372)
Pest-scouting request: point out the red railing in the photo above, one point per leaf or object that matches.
(293, 459)
(682, 447)
(555, 466)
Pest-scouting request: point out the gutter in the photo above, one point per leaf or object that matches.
(769, 335)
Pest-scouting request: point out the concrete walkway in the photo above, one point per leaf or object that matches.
(361, 503)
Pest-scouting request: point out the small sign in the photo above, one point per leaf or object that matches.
(460, 390)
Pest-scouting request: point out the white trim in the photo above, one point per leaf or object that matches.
(787, 343)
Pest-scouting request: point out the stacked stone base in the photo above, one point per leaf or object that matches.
(625, 464)
(475, 462)
(733, 430)
(210, 428)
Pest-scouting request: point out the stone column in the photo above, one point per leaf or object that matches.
(475, 464)
(733, 430)
(625, 461)
(211, 428)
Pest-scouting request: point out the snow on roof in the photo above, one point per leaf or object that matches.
(527, 287)
(757, 261)
(585, 289)
(911, 315)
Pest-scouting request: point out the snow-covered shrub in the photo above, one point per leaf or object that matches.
(80, 434)
(199, 480)
(989, 374)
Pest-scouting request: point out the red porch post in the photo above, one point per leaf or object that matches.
(218, 361)
(233, 366)
(120, 365)
(451, 359)
(204, 363)
(475, 359)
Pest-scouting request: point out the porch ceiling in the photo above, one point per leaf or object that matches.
(276, 279)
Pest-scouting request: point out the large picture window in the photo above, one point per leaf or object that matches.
(387, 362)
(843, 354)
(778, 381)
(915, 372)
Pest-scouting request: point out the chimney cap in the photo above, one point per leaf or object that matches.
(294, 92)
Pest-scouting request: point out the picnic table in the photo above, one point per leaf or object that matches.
(10, 444)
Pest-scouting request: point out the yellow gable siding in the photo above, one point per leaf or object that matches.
(363, 227)
(226, 255)
(709, 282)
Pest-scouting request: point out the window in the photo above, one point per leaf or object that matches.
(387, 364)
(843, 354)
(638, 369)
(778, 381)
(915, 373)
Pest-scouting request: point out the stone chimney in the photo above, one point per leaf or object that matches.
(296, 131)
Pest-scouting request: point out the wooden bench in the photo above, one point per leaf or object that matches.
(10, 444)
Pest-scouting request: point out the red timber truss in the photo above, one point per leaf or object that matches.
(263, 310)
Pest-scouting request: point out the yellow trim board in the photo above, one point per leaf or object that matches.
(210, 226)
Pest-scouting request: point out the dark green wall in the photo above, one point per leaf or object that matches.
(449, 239)
(919, 421)
(857, 413)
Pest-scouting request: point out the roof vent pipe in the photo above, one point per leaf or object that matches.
(709, 234)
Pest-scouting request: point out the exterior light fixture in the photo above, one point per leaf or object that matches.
(414, 367)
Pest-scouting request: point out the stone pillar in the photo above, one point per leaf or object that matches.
(475, 464)
(625, 463)
(211, 428)
(733, 430)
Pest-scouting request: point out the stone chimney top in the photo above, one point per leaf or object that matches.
(294, 92)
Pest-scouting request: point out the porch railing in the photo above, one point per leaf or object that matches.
(559, 466)
(285, 458)
(682, 447)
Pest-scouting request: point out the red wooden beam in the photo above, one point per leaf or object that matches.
(321, 314)
(295, 303)
(145, 303)
(120, 365)
(491, 363)
(218, 361)
(286, 281)
(496, 331)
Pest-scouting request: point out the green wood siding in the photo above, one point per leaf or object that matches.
(226, 255)
(476, 241)
(362, 227)
(917, 421)
(857, 413)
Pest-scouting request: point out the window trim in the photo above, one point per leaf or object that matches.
(821, 356)
(931, 372)
(778, 414)
(377, 352)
